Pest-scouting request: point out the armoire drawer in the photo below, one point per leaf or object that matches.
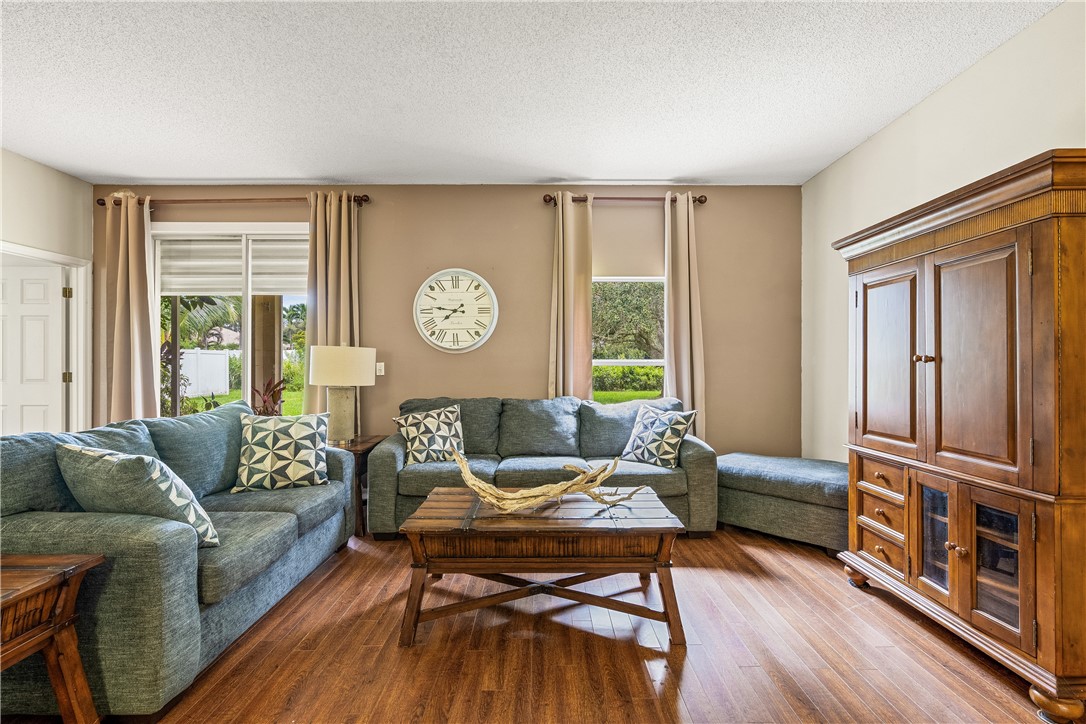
(885, 552)
(884, 476)
(882, 512)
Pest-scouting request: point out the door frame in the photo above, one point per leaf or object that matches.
(78, 338)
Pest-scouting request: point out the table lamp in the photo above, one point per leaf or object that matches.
(341, 370)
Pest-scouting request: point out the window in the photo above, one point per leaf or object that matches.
(232, 317)
(627, 338)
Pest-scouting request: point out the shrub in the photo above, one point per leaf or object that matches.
(235, 372)
(293, 374)
(631, 377)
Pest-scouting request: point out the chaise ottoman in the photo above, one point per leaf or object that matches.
(795, 498)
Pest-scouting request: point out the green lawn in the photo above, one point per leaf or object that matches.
(292, 401)
(624, 395)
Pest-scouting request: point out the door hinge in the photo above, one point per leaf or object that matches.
(1031, 452)
(1034, 634)
(66, 377)
(66, 292)
(1029, 256)
(1033, 523)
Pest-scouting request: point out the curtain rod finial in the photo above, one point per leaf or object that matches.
(701, 199)
(549, 199)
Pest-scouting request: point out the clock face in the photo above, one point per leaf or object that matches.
(456, 310)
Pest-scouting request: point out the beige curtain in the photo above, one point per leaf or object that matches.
(571, 299)
(684, 348)
(334, 309)
(126, 343)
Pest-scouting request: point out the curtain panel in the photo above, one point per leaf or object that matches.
(571, 299)
(126, 343)
(334, 294)
(684, 347)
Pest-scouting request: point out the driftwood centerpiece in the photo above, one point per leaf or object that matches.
(510, 501)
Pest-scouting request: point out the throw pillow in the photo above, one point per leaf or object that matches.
(657, 435)
(432, 436)
(104, 481)
(282, 452)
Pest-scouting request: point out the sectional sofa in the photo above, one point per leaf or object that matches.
(522, 443)
(161, 610)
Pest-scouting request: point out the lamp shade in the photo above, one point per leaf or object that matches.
(342, 366)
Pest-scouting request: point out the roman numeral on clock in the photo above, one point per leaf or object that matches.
(429, 324)
(426, 310)
(484, 310)
(439, 285)
(480, 296)
(456, 339)
(480, 324)
(440, 336)
(455, 280)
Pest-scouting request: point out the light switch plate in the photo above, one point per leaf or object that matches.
(380, 368)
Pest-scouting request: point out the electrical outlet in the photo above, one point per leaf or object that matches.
(380, 368)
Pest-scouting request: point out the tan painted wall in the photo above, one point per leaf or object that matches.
(1026, 97)
(748, 244)
(44, 208)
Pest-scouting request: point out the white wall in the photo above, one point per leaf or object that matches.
(44, 208)
(1027, 96)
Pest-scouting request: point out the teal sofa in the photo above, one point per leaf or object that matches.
(160, 610)
(524, 443)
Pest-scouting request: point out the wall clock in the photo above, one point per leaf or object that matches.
(456, 310)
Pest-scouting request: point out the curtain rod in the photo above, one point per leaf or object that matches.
(550, 199)
(358, 199)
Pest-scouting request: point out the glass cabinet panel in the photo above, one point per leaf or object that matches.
(934, 523)
(997, 576)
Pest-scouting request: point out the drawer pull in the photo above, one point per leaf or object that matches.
(879, 475)
(879, 549)
(950, 546)
(880, 511)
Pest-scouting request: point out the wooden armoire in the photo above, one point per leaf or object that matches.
(967, 428)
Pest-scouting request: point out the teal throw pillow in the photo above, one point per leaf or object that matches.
(657, 435)
(283, 452)
(104, 481)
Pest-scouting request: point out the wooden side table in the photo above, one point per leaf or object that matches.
(37, 613)
(361, 447)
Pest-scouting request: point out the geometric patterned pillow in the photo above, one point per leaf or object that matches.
(283, 452)
(657, 435)
(104, 481)
(432, 436)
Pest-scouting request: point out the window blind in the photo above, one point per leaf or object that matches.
(215, 266)
(279, 266)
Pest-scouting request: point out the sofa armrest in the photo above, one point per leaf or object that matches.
(699, 462)
(341, 467)
(139, 619)
(383, 473)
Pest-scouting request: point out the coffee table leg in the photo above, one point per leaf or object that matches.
(414, 603)
(69, 681)
(671, 604)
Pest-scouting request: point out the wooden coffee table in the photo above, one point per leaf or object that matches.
(455, 532)
(37, 607)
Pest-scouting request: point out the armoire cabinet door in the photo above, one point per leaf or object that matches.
(996, 552)
(977, 357)
(934, 529)
(887, 329)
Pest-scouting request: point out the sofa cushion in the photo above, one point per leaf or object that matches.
(819, 482)
(282, 452)
(106, 481)
(421, 478)
(605, 429)
(667, 482)
(248, 544)
(311, 505)
(479, 418)
(539, 427)
(529, 471)
(431, 436)
(31, 477)
(657, 435)
(203, 449)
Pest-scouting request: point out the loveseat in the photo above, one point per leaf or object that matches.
(524, 443)
(160, 609)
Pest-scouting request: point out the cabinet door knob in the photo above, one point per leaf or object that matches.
(961, 552)
(879, 475)
(918, 358)
(950, 546)
(928, 358)
(880, 511)
(879, 549)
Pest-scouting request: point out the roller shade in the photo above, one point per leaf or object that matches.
(215, 265)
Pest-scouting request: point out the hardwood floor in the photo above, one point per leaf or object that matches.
(774, 633)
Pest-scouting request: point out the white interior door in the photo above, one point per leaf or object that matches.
(33, 331)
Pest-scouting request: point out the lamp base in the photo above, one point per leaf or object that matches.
(342, 404)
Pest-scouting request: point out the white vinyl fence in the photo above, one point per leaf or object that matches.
(208, 371)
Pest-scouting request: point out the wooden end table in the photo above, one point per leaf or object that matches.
(37, 613)
(453, 531)
(361, 447)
